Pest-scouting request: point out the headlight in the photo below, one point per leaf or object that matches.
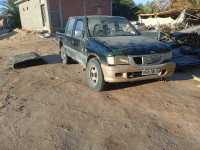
(168, 55)
(117, 60)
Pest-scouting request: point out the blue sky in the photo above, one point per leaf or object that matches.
(0, 2)
(141, 1)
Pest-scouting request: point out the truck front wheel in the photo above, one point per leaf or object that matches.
(65, 58)
(95, 75)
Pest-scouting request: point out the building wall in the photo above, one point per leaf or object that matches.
(57, 12)
(31, 16)
(75, 8)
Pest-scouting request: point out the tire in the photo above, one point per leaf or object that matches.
(65, 58)
(95, 75)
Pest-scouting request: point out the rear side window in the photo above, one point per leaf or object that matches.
(79, 25)
(70, 27)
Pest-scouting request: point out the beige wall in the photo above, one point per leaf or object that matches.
(31, 16)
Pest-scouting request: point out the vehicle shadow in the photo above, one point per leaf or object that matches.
(7, 35)
(55, 59)
(185, 75)
(52, 59)
(123, 85)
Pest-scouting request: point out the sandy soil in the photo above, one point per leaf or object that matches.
(51, 107)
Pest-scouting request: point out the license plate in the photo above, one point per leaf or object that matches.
(150, 72)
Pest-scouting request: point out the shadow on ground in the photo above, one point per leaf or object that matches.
(7, 35)
(186, 74)
(55, 59)
(123, 85)
(52, 59)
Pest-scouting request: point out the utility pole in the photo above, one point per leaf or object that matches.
(85, 14)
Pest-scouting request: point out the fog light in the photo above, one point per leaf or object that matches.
(118, 74)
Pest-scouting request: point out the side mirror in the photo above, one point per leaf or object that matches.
(79, 33)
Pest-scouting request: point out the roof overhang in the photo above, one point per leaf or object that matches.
(174, 13)
(20, 2)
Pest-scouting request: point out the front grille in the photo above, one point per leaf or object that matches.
(148, 59)
(138, 60)
(151, 59)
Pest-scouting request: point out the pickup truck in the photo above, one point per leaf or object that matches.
(112, 50)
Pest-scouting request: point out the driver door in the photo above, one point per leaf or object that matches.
(78, 42)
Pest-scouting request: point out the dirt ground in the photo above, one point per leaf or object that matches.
(51, 107)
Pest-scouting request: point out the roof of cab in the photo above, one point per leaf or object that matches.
(97, 16)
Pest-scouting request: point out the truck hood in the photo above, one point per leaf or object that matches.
(133, 45)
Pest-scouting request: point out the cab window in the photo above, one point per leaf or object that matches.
(79, 25)
(70, 27)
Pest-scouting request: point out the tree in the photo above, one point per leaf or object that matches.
(194, 3)
(162, 4)
(126, 8)
(148, 8)
(154, 7)
(11, 12)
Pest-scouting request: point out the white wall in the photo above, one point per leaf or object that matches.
(31, 16)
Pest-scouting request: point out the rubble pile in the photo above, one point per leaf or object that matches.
(183, 34)
(4, 27)
(189, 37)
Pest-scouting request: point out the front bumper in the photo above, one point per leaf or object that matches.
(126, 73)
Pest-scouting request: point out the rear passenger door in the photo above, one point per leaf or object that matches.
(78, 43)
(68, 40)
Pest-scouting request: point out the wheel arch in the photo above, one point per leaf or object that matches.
(90, 56)
(60, 44)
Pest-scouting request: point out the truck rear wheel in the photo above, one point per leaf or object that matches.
(95, 75)
(65, 58)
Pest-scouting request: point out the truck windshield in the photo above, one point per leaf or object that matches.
(108, 27)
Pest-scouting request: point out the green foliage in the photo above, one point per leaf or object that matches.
(11, 12)
(153, 7)
(194, 3)
(148, 8)
(126, 8)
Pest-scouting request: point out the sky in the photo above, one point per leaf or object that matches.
(0, 5)
(139, 1)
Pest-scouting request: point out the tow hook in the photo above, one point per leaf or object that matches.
(162, 79)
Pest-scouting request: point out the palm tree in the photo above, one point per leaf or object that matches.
(194, 3)
(148, 8)
(126, 8)
(11, 12)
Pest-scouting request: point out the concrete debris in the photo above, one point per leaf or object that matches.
(186, 24)
(182, 34)
(44, 35)
(26, 60)
(4, 24)
(183, 61)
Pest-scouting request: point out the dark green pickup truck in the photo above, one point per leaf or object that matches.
(111, 50)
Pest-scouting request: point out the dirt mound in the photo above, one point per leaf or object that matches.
(22, 34)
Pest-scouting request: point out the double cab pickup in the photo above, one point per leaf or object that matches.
(112, 50)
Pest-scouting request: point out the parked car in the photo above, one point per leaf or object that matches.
(111, 50)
